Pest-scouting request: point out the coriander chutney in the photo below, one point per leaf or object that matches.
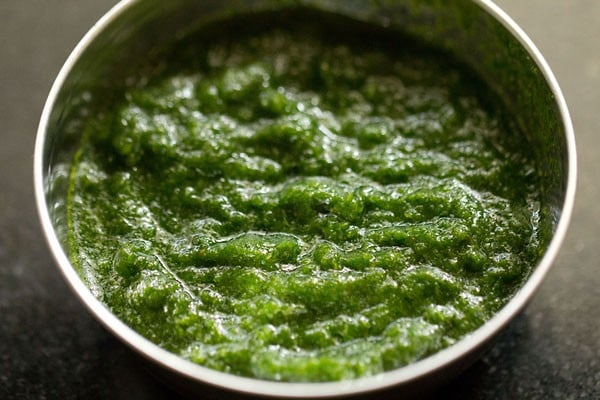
(304, 202)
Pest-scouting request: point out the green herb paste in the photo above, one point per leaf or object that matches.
(300, 205)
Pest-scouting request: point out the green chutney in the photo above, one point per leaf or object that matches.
(304, 201)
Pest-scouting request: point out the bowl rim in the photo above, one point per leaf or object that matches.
(255, 386)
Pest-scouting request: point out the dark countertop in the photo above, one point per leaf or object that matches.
(51, 348)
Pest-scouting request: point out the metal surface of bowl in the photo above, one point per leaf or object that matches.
(476, 31)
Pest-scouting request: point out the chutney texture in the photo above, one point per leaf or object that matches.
(298, 207)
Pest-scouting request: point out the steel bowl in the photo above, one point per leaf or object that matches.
(477, 32)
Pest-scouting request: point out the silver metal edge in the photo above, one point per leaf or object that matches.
(303, 390)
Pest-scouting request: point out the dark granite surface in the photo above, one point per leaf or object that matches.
(50, 348)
